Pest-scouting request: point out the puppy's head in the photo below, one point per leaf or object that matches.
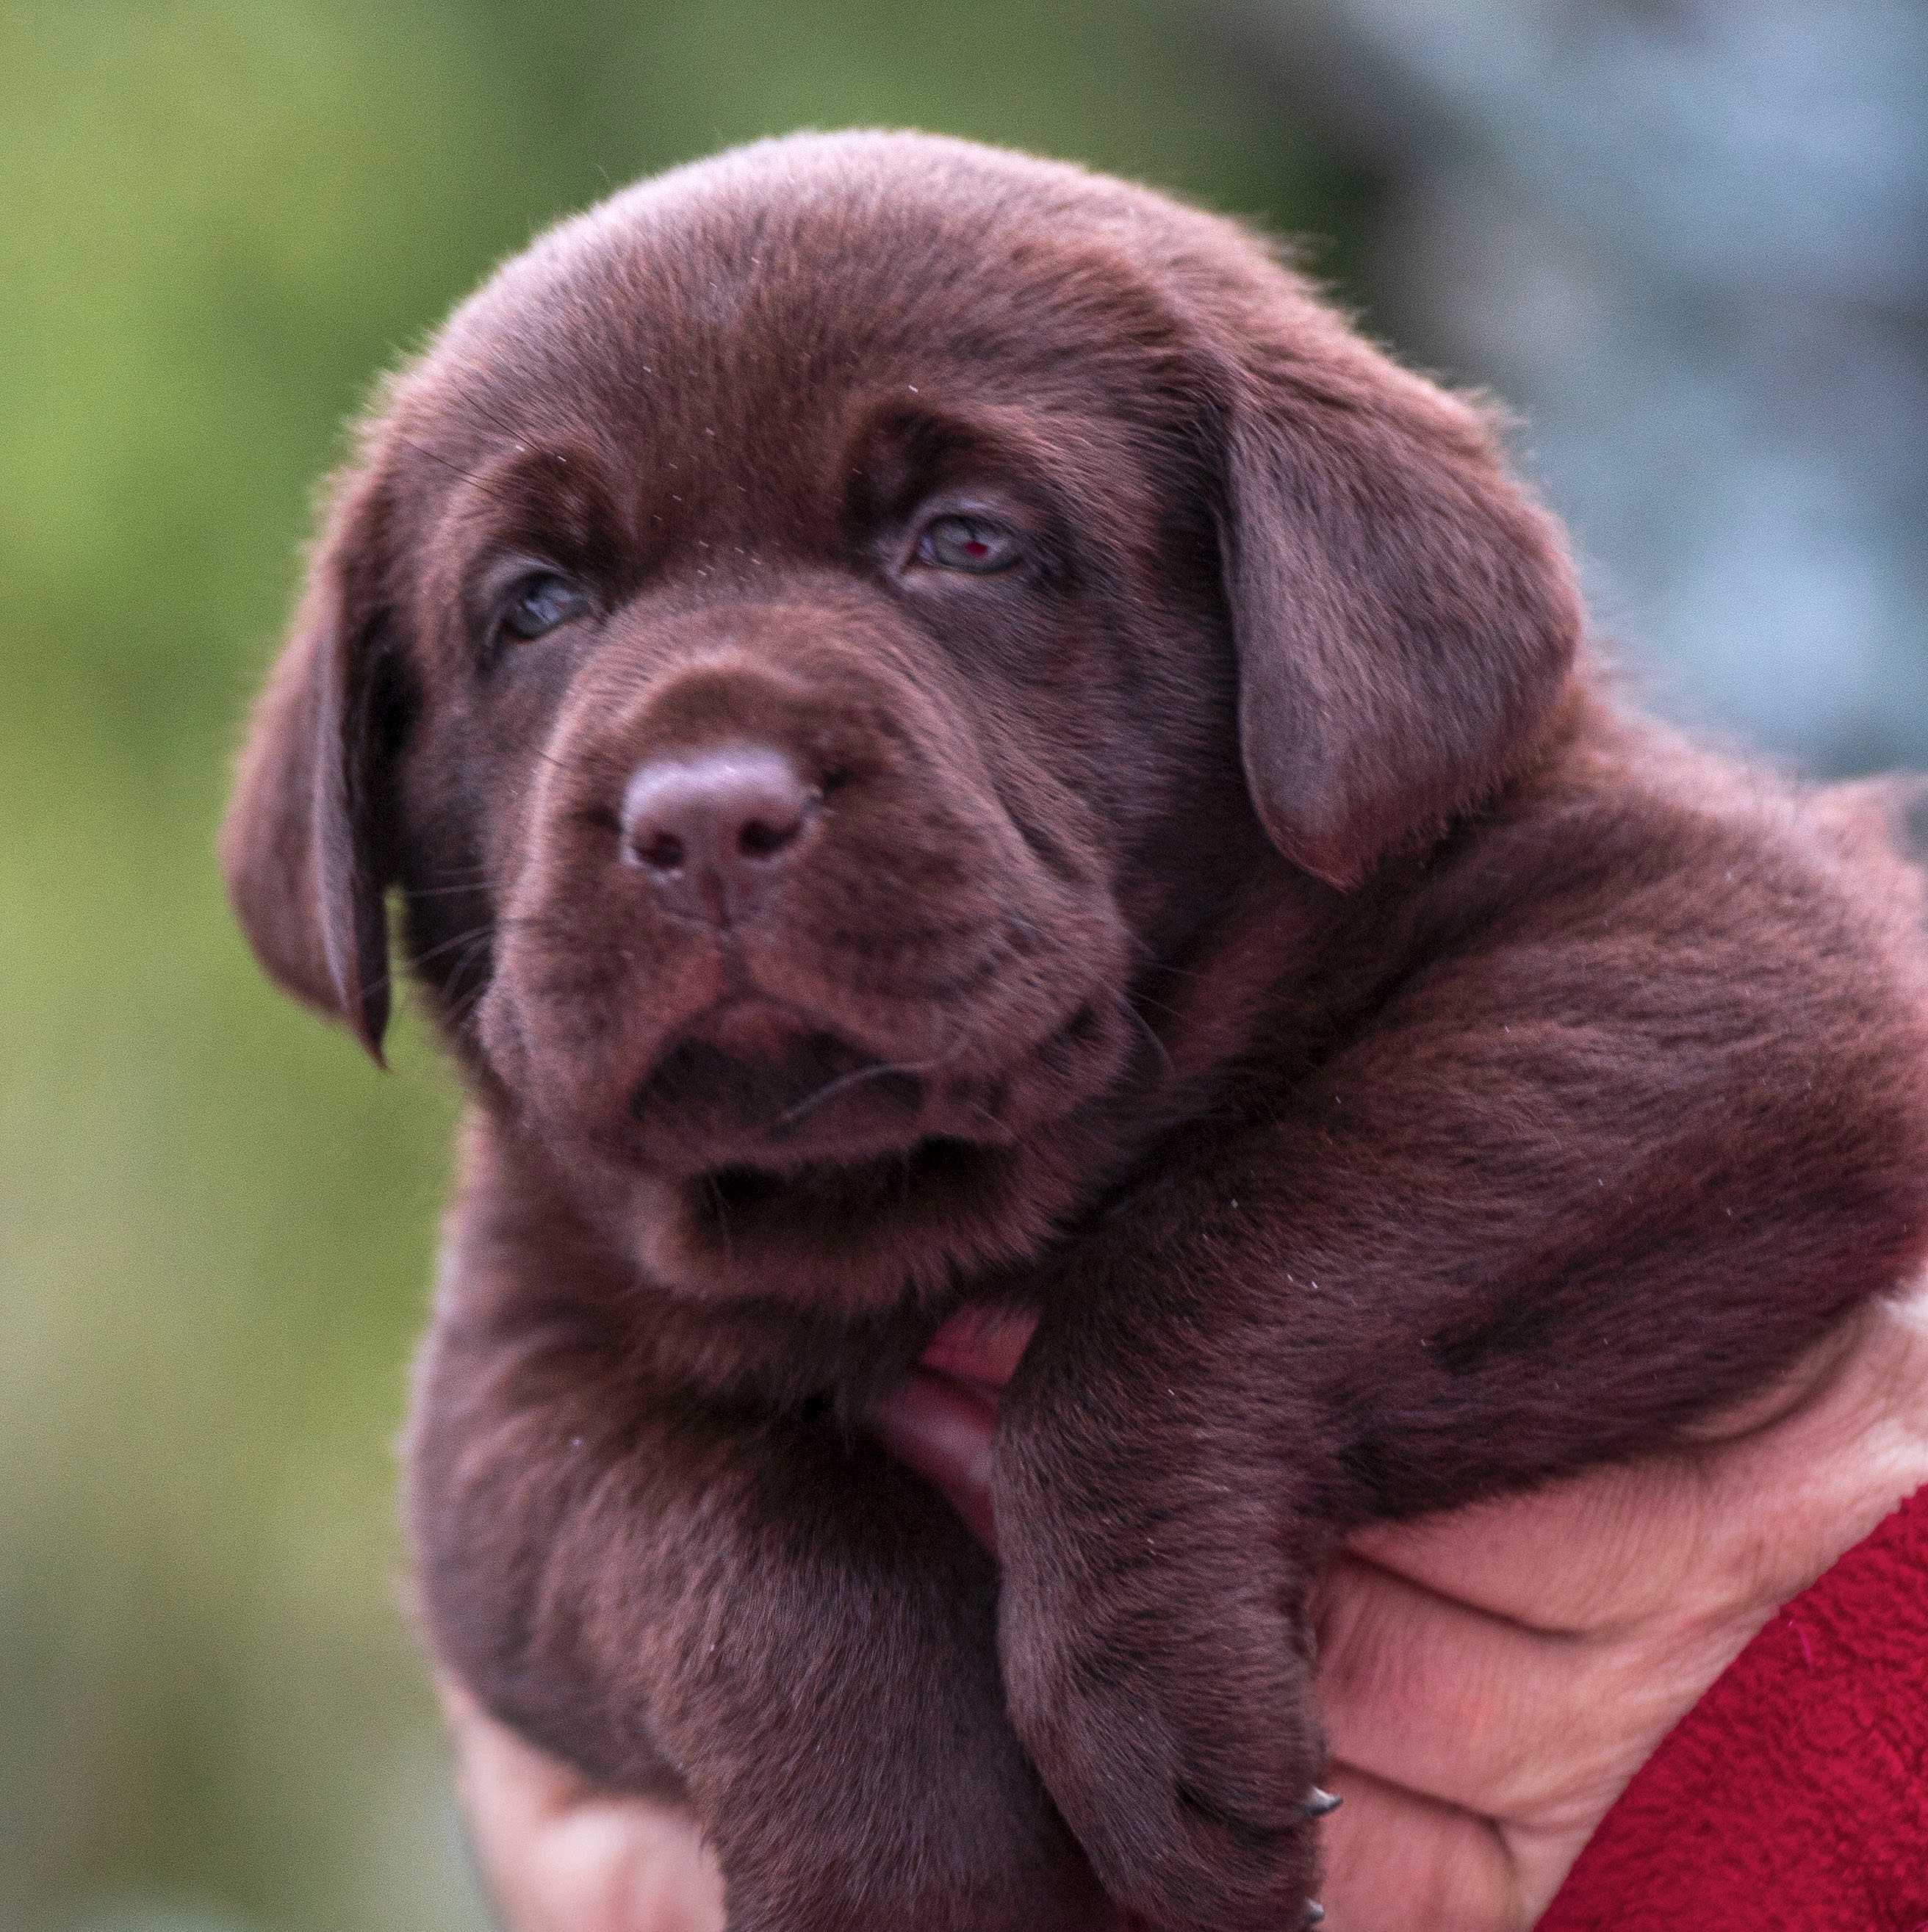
(817, 637)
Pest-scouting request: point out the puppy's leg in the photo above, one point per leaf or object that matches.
(1536, 1220)
(786, 1627)
(1153, 1633)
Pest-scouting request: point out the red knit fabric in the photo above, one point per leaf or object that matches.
(1794, 1797)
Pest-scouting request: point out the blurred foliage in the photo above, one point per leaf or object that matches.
(218, 222)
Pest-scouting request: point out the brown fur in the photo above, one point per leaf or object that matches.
(1244, 933)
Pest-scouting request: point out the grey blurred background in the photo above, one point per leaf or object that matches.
(1686, 240)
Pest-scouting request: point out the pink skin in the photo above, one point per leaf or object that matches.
(940, 1422)
(1490, 1679)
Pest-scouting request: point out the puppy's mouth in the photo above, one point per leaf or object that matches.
(806, 1079)
(754, 1089)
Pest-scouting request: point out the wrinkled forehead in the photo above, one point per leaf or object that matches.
(737, 335)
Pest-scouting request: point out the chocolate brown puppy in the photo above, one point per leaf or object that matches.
(944, 731)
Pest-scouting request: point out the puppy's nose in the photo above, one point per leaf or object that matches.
(713, 831)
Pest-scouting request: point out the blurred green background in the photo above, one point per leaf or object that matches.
(217, 223)
(1683, 241)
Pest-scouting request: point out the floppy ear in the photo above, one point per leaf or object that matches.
(304, 845)
(1404, 615)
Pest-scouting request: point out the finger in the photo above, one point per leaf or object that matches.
(1721, 1526)
(943, 1429)
(1477, 1713)
(558, 1854)
(1395, 1862)
(1593, 1553)
(1856, 1447)
(608, 1867)
(510, 1776)
(981, 1345)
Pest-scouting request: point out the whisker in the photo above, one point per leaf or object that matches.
(720, 1206)
(1151, 1033)
(412, 893)
(475, 477)
(462, 1011)
(448, 945)
(842, 1084)
(476, 935)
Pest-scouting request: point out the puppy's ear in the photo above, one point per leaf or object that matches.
(304, 845)
(1404, 615)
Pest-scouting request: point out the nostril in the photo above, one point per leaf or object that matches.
(663, 852)
(764, 838)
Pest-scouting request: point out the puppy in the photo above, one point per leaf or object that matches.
(945, 732)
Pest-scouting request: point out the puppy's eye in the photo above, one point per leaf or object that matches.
(539, 603)
(968, 543)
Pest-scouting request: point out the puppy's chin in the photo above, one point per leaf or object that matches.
(857, 1237)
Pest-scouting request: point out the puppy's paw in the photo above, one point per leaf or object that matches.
(1182, 1752)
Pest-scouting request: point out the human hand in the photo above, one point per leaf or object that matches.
(1491, 1678)
(558, 1854)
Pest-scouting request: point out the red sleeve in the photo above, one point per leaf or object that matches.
(1794, 1797)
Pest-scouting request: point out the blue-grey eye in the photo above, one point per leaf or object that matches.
(539, 603)
(962, 542)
